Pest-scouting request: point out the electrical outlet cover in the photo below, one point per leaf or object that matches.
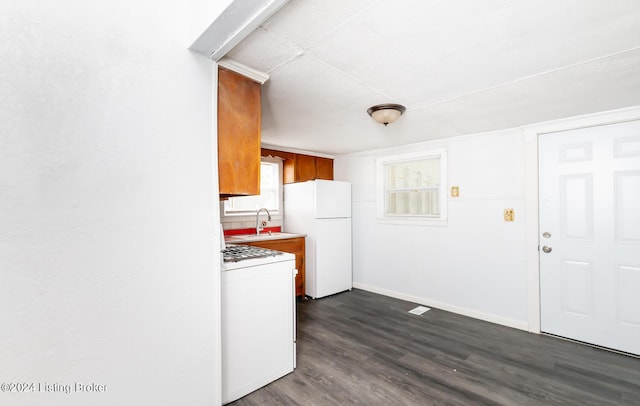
(509, 215)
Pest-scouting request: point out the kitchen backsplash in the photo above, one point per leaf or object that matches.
(233, 225)
(248, 221)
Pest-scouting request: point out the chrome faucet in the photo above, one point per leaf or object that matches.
(259, 226)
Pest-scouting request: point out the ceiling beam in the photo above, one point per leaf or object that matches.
(235, 23)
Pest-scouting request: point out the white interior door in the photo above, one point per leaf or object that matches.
(590, 235)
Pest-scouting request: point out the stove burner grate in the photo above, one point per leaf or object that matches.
(235, 253)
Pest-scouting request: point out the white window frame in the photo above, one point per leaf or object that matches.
(381, 190)
(238, 216)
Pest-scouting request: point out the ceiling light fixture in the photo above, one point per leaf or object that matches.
(386, 113)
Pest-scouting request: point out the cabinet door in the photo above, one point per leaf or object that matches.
(324, 168)
(289, 171)
(305, 168)
(238, 134)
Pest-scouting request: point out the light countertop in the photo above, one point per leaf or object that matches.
(238, 239)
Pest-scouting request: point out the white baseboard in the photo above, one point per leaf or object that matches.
(504, 321)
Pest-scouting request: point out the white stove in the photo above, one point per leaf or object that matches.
(258, 318)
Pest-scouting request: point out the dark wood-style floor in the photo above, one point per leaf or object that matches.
(359, 348)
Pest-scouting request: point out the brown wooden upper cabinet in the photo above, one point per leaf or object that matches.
(301, 168)
(324, 168)
(307, 167)
(239, 119)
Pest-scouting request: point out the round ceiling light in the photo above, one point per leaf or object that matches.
(386, 113)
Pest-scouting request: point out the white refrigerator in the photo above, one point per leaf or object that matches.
(321, 209)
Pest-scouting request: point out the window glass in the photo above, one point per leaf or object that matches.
(270, 186)
(412, 186)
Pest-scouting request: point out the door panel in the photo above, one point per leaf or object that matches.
(590, 235)
(628, 296)
(577, 288)
(576, 194)
(627, 206)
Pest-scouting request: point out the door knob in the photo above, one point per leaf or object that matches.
(546, 249)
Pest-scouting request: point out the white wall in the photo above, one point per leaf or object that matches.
(108, 206)
(476, 264)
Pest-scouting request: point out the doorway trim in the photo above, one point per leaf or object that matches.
(532, 132)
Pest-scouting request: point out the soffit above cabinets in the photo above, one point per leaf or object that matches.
(459, 67)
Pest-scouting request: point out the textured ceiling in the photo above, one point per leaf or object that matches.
(459, 67)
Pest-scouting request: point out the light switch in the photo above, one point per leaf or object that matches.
(455, 191)
(509, 215)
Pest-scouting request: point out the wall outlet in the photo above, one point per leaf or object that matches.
(455, 191)
(509, 215)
